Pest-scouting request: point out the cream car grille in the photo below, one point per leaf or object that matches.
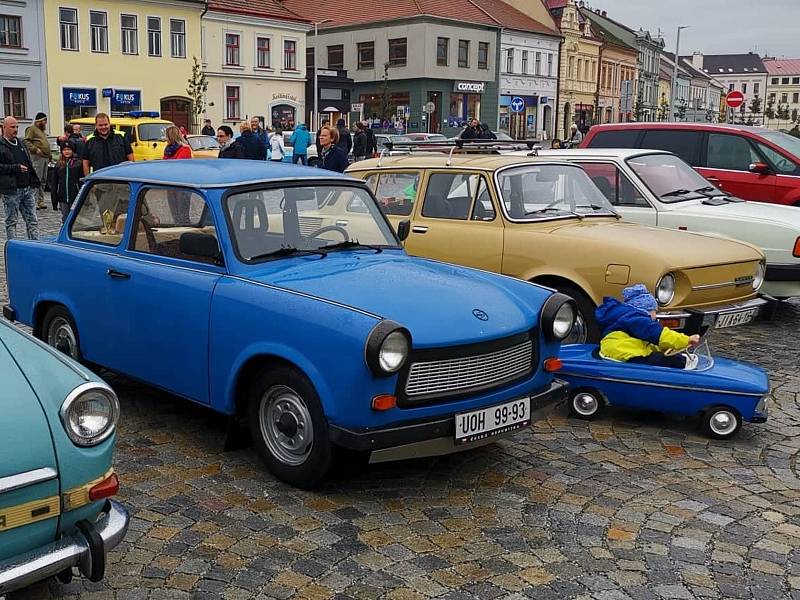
(309, 224)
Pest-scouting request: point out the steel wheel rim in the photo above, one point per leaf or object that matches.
(286, 425)
(580, 331)
(722, 422)
(585, 404)
(61, 336)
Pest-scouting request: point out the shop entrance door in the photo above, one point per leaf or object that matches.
(517, 126)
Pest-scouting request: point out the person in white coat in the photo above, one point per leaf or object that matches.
(276, 148)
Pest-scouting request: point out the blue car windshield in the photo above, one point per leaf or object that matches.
(276, 221)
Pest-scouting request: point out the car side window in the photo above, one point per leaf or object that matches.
(483, 209)
(615, 138)
(101, 216)
(615, 185)
(397, 193)
(684, 143)
(176, 223)
(449, 195)
(778, 160)
(372, 181)
(731, 152)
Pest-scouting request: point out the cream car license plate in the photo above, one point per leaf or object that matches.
(488, 422)
(736, 318)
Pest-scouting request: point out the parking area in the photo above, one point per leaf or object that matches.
(633, 505)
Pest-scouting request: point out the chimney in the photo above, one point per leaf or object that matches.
(697, 60)
(603, 13)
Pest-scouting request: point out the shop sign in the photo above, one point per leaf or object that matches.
(357, 107)
(469, 87)
(80, 97)
(284, 97)
(126, 98)
(517, 104)
(327, 73)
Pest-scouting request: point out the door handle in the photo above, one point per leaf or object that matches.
(117, 274)
(419, 229)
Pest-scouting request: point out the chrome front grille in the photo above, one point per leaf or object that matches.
(469, 373)
(309, 224)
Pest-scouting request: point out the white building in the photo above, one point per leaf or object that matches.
(745, 73)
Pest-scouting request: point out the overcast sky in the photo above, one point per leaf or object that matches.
(716, 26)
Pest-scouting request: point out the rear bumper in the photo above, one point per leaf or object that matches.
(9, 313)
(370, 439)
(85, 549)
(693, 321)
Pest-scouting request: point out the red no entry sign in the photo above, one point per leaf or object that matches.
(734, 99)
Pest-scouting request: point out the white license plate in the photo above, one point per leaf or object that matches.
(736, 318)
(488, 422)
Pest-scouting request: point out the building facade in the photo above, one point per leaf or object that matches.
(782, 106)
(745, 73)
(255, 63)
(23, 80)
(119, 56)
(650, 49)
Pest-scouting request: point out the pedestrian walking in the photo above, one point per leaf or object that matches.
(345, 141)
(372, 143)
(325, 123)
(207, 128)
(332, 156)
(228, 147)
(65, 182)
(105, 147)
(177, 147)
(300, 141)
(276, 148)
(359, 143)
(575, 138)
(260, 132)
(252, 146)
(18, 180)
(39, 148)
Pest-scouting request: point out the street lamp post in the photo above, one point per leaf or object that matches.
(674, 72)
(316, 92)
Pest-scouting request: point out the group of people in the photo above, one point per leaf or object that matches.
(475, 130)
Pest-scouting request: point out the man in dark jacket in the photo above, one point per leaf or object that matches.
(18, 180)
(229, 148)
(345, 141)
(105, 147)
(470, 131)
(208, 129)
(252, 146)
(372, 143)
(359, 143)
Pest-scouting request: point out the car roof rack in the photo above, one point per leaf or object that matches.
(464, 147)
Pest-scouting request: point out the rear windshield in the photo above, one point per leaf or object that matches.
(789, 143)
(616, 138)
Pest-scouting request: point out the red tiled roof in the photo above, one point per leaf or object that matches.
(267, 9)
(553, 4)
(782, 66)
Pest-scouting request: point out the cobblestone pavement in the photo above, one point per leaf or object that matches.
(634, 505)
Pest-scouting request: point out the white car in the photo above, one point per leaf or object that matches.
(311, 153)
(652, 187)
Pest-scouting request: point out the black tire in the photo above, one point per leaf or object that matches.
(60, 332)
(586, 330)
(585, 404)
(299, 460)
(732, 422)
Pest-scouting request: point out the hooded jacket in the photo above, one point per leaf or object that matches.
(630, 333)
(300, 140)
(11, 176)
(345, 141)
(252, 146)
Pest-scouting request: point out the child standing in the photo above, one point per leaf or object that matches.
(66, 179)
(632, 333)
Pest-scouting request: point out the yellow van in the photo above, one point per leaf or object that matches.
(145, 130)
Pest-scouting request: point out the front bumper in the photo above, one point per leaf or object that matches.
(782, 273)
(371, 439)
(761, 412)
(693, 320)
(85, 549)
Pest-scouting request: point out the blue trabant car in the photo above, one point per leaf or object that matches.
(281, 296)
(56, 479)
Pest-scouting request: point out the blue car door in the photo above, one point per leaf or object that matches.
(161, 290)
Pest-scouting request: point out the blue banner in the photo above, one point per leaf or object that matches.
(126, 98)
(80, 97)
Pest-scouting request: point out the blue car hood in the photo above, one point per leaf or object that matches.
(434, 301)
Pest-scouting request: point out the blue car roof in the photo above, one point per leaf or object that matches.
(207, 173)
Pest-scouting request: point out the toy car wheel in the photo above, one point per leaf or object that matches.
(59, 331)
(585, 329)
(721, 422)
(585, 404)
(289, 428)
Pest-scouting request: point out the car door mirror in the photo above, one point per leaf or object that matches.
(403, 229)
(760, 168)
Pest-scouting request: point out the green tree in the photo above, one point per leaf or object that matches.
(198, 86)
(783, 112)
(769, 110)
(388, 108)
(755, 108)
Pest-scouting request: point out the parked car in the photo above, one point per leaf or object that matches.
(751, 163)
(658, 188)
(426, 137)
(543, 220)
(145, 130)
(203, 146)
(56, 478)
(311, 152)
(382, 139)
(281, 296)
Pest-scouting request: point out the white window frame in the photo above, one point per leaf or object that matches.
(93, 29)
(510, 60)
(173, 37)
(549, 64)
(160, 32)
(525, 65)
(75, 25)
(257, 62)
(537, 64)
(225, 57)
(238, 116)
(124, 32)
(296, 54)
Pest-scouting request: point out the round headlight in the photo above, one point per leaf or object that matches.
(90, 413)
(564, 321)
(758, 279)
(393, 352)
(665, 289)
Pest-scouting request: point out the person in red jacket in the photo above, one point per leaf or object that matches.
(177, 146)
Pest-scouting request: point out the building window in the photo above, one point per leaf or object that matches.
(784, 98)
(756, 88)
(463, 54)
(571, 68)
(785, 81)
(538, 63)
(795, 98)
(483, 55)
(232, 47)
(549, 65)
(744, 88)
(290, 55)
(336, 57)
(264, 58)
(795, 80)
(154, 36)
(130, 34)
(99, 25)
(774, 81)
(68, 21)
(10, 31)
(442, 51)
(366, 55)
(510, 60)
(731, 87)
(398, 52)
(14, 102)
(524, 69)
(232, 102)
(177, 37)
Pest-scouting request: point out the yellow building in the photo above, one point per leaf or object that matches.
(117, 56)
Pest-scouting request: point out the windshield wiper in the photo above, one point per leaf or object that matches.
(352, 244)
(680, 192)
(597, 207)
(288, 251)
(547, 208)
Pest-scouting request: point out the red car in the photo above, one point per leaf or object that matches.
(752, 163)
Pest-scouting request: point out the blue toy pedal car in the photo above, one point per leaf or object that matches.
(724, 392)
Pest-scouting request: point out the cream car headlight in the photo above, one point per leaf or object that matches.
(758, 279)
(90, 413)
(665, 289)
